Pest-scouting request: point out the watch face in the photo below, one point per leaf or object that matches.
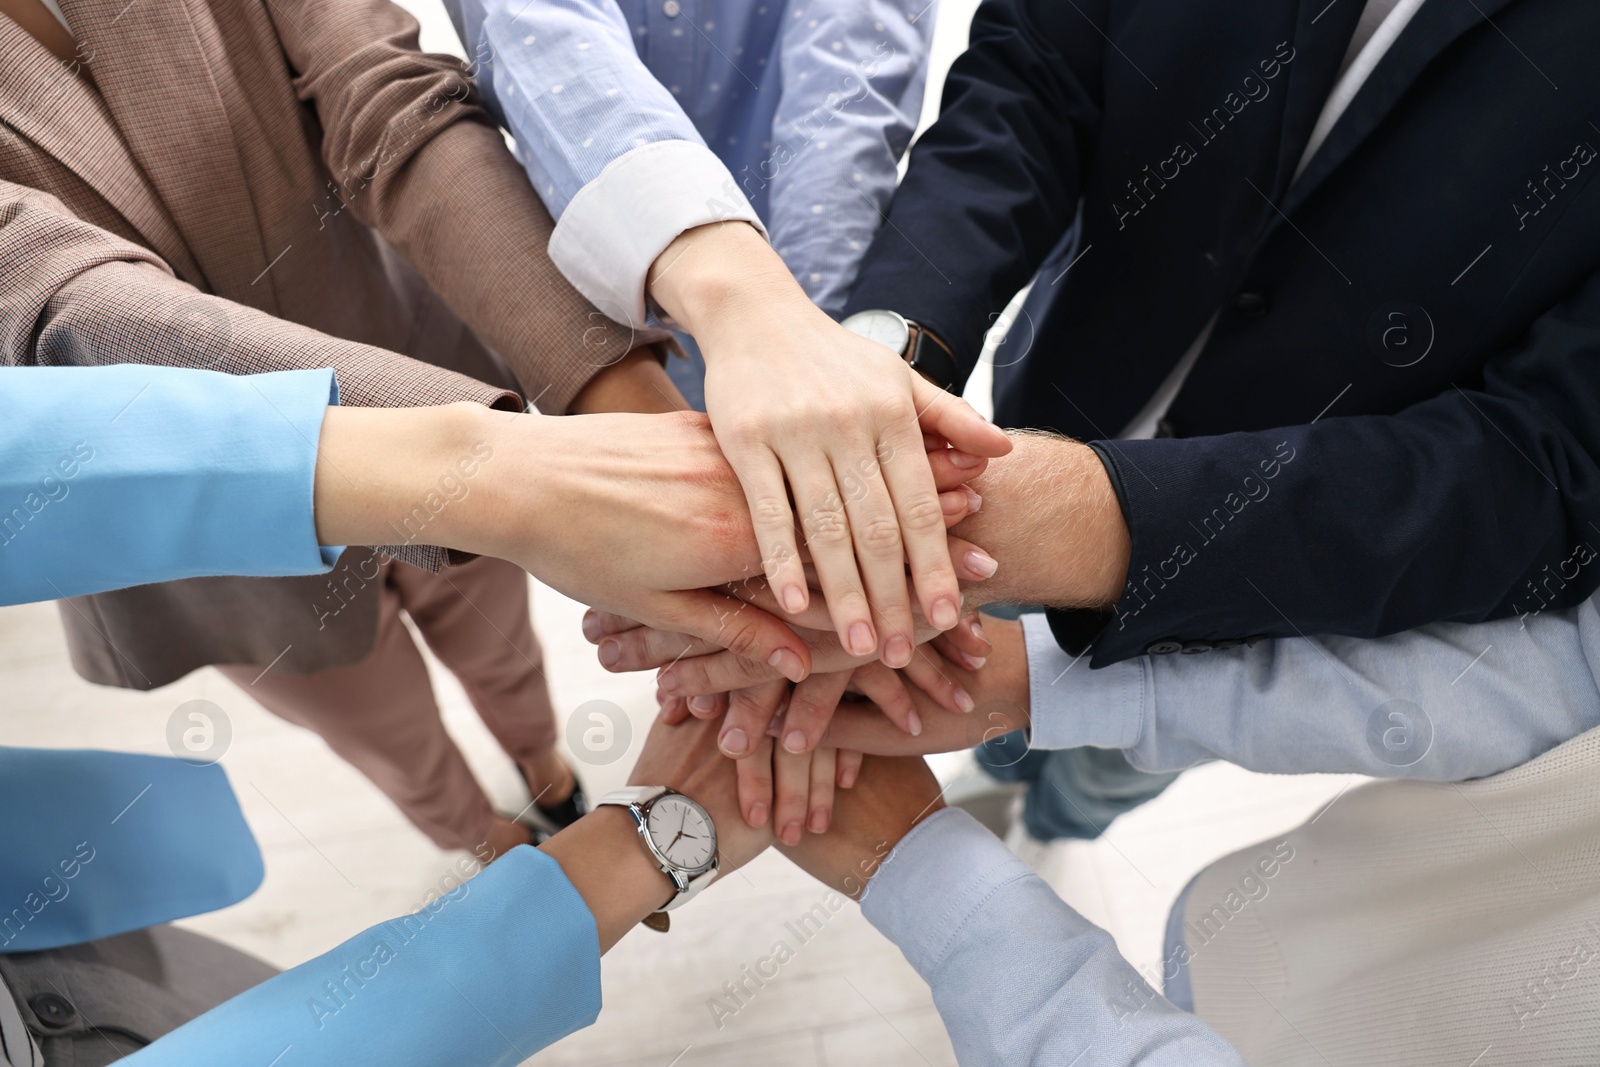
(682, 833)
(884, 327)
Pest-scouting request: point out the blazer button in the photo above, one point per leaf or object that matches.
(1165, 647)
(1225, 644)
(52, 1009)
(1194, 648)
(1250, 305)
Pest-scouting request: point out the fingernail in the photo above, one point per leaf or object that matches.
(897, 653)
(758, 815)
(963, 699)
(668, 680)
(819, 821)
(955, 503)
(977, 631)
(795, 742)
(964, 460)
(861, 642)
(974, 501)
(735, 743)
(788, 664)
(914, 721)
(704, 705)
(848, 778)
(591, 625)
(791, 833)
(980, 563)
(794, 601)
(974, 663)
(945, 613)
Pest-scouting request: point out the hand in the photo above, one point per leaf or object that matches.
(602, 856)
(890, 798)
(634, 514)
(1000, 690)
(795, 397)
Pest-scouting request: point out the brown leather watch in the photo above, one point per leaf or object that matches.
(917, 345)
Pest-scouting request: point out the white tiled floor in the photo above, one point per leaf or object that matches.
(340, 858)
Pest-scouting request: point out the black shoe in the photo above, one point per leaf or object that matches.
(547, 820)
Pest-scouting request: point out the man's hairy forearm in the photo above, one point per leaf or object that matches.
(1051, 519)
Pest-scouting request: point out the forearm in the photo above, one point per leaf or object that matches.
(1017, 975)
(637, 382)
(1446, 702)
(604, 858)
(715, 277)
(1052, 522)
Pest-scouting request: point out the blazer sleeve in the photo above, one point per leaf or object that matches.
(484, 975)
(1478, 503)
(77, 295)
(415, 156)
(1000, 172)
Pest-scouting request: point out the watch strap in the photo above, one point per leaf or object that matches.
(931, 358)
(631, 795)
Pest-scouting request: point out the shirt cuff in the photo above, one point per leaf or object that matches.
(619, 223)
(934, 881)
(1072, 705)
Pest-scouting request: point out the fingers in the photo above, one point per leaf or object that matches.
(761, 475)
(849, 769)
(887, 690)
(953, 419)
(957, 505)
(966, 644)
(905, 471)
(810, 708)
(827, 528)
(877, 526)
(926, 673)
(819, 805)
(739, 627)
(597, 624)
(674, 710)
(754, 777)
(750, 713)
(972, 563)
(645, 648)
(708, 706)
(791, 788)
(952, 469)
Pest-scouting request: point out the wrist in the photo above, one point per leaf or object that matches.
(637, 382)
(390, 475)
(608, 865)
(1052, 520)
(719, 273)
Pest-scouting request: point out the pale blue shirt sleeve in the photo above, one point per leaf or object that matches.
(122, 475)
(1444, 702)
(1019, 978)
(483, 976)
(854, 72)
(618, 163)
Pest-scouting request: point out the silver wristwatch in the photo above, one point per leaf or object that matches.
(676, 831)
(916, 344)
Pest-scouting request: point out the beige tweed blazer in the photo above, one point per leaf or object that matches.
(254, 185)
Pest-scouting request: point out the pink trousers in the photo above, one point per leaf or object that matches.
(381, 716)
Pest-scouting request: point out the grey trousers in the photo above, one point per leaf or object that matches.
(91, 1004)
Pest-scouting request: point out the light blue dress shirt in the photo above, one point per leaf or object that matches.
(640, 119)
(1444, 702)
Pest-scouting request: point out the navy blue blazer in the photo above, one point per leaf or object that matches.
(1397, 417)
